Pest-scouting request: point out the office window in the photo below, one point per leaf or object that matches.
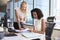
(58, 12)
(44, 6)
(29, 20)
(53, 7)
(2, 14)
(11, 10)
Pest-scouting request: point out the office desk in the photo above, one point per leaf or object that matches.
(20, 37)
(57, 26)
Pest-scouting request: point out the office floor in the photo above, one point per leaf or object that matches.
(55, 34)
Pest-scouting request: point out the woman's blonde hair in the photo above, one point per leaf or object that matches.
(22, 4)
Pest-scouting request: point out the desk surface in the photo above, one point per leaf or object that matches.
(20, 37)
(56, 28)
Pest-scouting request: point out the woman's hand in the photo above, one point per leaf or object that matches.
(21, 28)
(31, 30)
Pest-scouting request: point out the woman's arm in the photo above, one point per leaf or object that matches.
(18, 19)
(42, 27)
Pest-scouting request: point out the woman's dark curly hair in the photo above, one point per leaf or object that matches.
(38, 11)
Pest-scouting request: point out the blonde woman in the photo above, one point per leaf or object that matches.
(20, 16)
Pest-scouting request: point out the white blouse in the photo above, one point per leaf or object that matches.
(37, 24)
(20, 14)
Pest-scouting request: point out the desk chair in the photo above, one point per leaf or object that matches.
(49, 30)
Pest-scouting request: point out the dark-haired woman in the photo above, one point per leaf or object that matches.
(39, 24)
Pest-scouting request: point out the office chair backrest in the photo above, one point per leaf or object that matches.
(49, 29)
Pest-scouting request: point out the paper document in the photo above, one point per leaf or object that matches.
(31, 35)
(23, 31)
